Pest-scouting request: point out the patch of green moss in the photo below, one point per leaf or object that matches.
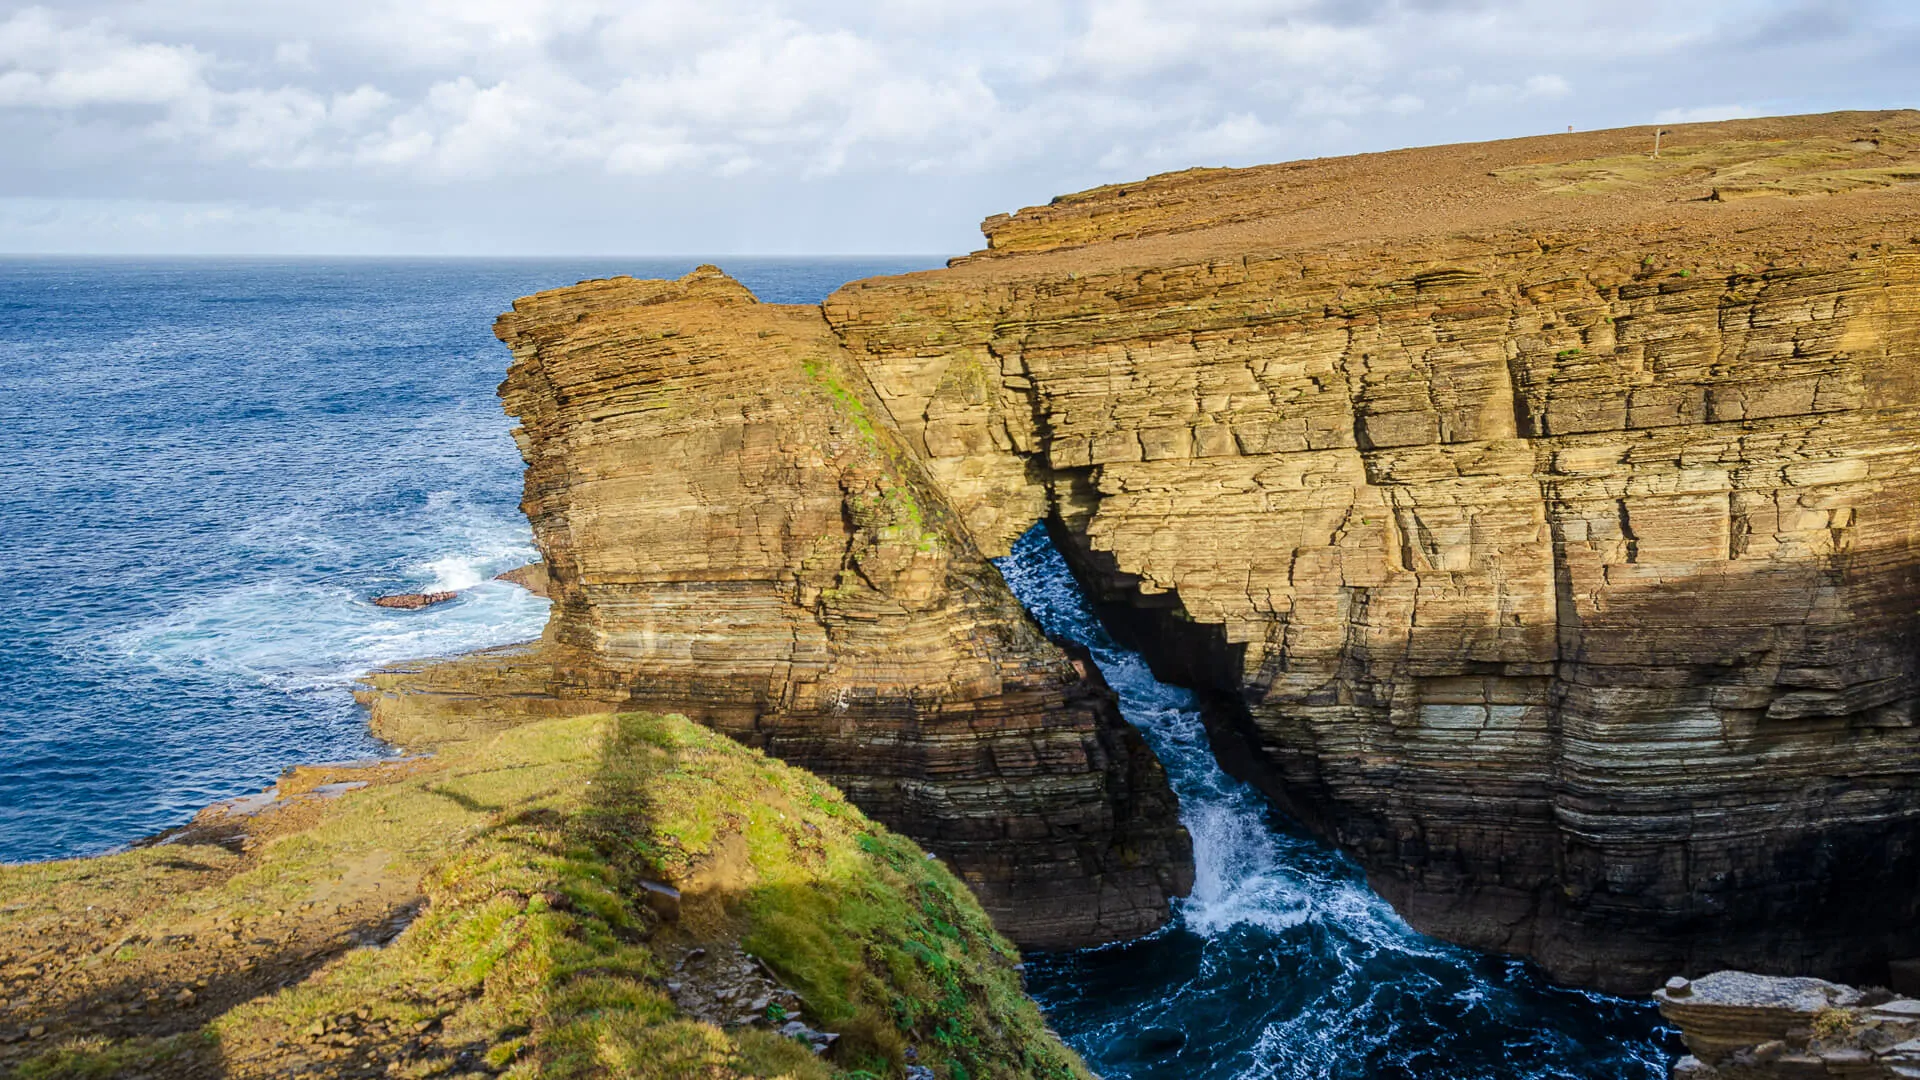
(904, 518)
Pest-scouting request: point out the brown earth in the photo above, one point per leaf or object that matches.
(1538, 517)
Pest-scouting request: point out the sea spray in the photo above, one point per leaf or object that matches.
(1282, 963)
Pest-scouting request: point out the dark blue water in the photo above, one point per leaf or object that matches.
(208, 467)
(1282, 963)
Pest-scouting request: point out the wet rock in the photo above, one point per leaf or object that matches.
(413, 601)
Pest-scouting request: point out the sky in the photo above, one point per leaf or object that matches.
(672, 127)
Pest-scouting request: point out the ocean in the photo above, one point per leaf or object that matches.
(213, 465)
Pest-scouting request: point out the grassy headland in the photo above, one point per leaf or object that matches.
(487, 911)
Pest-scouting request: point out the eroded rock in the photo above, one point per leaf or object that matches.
(1539, 529)
(1741, 1026)
(413, 601)
(733, 530)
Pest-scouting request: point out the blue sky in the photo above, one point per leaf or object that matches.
(675, 126)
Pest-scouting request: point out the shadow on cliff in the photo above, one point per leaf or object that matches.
(886, 948)
(1785, 838)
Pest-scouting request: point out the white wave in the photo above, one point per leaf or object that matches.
(292, 634)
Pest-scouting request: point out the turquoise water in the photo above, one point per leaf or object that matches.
(212, 465)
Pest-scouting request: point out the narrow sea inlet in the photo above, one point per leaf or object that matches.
(218, 463)
(1282, 964)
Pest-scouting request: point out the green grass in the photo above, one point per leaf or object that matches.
(534, 951)
(894, 512)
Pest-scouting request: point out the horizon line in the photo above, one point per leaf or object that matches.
(424, 255)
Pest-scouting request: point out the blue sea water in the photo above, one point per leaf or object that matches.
(210, 466)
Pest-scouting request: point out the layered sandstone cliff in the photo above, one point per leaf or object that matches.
(1541, 515)
(1540, 518)
(735, 532)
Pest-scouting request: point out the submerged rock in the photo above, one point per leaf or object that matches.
(413, 601)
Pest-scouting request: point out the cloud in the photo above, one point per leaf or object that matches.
(481, 108)
(1533, 88)
(46, 63)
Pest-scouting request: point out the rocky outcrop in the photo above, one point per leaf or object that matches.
(1538, 517)
(1739, 1026)
(1543, 528)
(733, 530)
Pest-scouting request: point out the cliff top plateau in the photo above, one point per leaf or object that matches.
(1780, 170)
(590, 896)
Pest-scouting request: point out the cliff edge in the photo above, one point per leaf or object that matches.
(1540, 516)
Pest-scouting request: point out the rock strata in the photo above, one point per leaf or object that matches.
(1543, 530)
(733, 530)
(1740, 1026)
(1539, 518)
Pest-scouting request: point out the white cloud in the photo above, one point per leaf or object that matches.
(447, 105)
(45, 62)
(1533, 88)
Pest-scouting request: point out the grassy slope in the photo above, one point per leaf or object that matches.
(532, 955)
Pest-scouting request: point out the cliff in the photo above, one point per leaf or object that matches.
(1538, 517)
(624, 896)
(734, 531)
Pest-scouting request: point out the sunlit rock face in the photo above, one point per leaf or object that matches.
(1539, 518)
(1542, 515)
(734, 531)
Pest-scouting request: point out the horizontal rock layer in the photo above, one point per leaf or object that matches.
(1539, 518)
(1740, 1026)
(1543, 527)
(733, 530)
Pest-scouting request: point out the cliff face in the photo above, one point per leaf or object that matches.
(734, 531)
(1541, 516)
